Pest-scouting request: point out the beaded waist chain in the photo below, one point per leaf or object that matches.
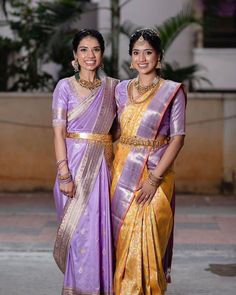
(106, 138)
(139, 141)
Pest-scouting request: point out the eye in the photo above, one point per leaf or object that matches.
(135, 52)
(83, 49)
(97, 50)
(149, 52)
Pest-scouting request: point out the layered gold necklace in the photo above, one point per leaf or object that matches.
(143, 89)
(153, 87)
(88, 84)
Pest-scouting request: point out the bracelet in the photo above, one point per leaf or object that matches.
(58, 163)
(155, 178)
(65, 181)
(63, 164)
(65, 176)
(152, 182)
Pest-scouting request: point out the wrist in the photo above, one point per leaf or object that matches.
(153, 180)
(155, 176)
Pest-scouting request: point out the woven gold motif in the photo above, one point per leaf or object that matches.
(108, 154)
(138, 141)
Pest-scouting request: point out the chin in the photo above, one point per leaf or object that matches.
(146, 71)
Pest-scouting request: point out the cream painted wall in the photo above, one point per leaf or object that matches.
(207, 160)
(147, 14)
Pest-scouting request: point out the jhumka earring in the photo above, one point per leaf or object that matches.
(75, 65)
(76, 68)
(158, 66)
(131, 66)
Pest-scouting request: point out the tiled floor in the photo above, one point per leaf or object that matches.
(204, 257)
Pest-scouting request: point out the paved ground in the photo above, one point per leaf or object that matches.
(204, 257)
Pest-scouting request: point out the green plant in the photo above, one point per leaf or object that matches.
(168, 32)
(7, 48)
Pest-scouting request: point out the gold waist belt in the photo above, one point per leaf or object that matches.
(139, 141)
(90, 136)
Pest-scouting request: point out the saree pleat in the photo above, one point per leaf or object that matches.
(141, 233)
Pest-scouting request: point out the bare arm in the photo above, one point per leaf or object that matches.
(61, 153)
(147, 191)
(169, 156)
(177, 131)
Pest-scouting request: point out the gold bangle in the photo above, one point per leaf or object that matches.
(155, 178)
(65, 176)
(152, 183)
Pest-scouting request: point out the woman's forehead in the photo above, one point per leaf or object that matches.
(141, 46)
(89, 42)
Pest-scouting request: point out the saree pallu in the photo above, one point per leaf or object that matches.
(83, 246)
(142, 234)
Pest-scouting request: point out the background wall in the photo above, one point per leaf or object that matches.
(148, 14)
(207, 163)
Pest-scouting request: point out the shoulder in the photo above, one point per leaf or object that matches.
(173, 84)
(122, 86)
(113, 82)
(63, 83)
(176, 87)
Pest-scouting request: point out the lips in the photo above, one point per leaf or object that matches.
(142, 65)
(91, 62)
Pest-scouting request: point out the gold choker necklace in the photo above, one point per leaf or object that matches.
(143, 89)
(88, 84)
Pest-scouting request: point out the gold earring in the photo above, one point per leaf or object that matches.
(75, 65)
(101, 67)
(158, 66)
(131, 66)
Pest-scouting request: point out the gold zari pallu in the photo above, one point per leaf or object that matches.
(143, 142)
(105, 138)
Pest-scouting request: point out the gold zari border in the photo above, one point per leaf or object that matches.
(90, 136)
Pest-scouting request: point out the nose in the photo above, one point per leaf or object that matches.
(142, 56)
(91, 53)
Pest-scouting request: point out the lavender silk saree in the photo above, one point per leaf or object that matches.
(143, 235)
(83, 246)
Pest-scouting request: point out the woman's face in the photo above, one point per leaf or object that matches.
(144, 57)
(88, 54)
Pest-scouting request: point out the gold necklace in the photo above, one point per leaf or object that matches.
(88, 84)
(143, 89)
(137, 101)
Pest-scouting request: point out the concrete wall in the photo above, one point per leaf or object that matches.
(207, 163)
(26, 157)
(219, 66)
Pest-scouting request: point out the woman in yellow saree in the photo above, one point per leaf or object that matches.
(151, 114)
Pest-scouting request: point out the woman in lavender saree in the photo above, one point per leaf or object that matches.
(151, 113)
(83, 113)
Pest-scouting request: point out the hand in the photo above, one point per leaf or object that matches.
(147, 192)
(68, 189)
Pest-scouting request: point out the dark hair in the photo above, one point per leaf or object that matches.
(81, 34)
(149, 35)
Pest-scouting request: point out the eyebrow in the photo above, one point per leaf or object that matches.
(134, 49)
(84, 46)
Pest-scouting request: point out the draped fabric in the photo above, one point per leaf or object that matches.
(143, 234)
(83, 246)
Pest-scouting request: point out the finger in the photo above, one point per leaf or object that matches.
(150, 199)
(140, 198)
(144, 201)
(139, 187)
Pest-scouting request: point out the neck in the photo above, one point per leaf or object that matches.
(88, 75)
(146, 80)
